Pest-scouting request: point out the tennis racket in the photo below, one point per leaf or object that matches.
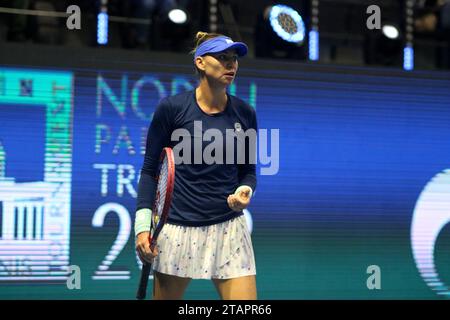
(163, 198)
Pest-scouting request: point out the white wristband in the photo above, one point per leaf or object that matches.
(142, 221)
(243, 187)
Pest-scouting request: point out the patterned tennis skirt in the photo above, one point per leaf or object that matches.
(219, 251)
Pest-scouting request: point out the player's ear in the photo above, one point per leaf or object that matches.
(200, 63)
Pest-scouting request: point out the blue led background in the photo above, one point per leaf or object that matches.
(356, 149)
(27, 145)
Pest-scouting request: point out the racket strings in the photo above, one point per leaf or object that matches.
(161, 192)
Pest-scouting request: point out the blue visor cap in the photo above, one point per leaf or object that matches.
(220, 44)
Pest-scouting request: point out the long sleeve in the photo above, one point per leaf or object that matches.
(247, 171)
(158, 137)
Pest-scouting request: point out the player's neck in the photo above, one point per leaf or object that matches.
(212, 98)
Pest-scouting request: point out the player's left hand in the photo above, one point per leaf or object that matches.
(239, 201)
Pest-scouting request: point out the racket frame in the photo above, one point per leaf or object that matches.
(146, 267)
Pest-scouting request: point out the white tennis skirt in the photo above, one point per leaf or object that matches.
(219, 251)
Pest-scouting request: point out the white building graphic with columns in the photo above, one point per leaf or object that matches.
(35, 216)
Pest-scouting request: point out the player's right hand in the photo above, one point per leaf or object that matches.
(143, 248)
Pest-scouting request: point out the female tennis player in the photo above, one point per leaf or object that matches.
(206, 236)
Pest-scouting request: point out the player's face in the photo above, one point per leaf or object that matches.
(221, 66)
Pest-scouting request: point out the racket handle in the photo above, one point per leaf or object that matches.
(145, 273)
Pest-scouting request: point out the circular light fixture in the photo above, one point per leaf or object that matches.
(287, 23)
(177, 16)
(390, 31)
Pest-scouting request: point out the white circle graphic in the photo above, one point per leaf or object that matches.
(431, 214)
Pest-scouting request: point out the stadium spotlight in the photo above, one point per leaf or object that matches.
(178, 16)
(280, 32)
(287, 23)
(390, 31)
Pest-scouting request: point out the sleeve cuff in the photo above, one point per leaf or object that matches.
(142, 221)
(244, 187)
